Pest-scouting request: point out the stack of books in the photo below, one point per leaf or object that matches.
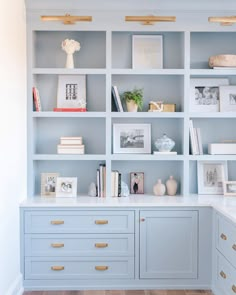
(115, 183)
(101, 181)
(70, 145)
(195, 140)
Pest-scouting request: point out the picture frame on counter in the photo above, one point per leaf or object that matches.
(211, 176)
(205, 94)
(132, 138)
(228, 98)
(137, 183)
(48, 184)
(66, 187)
(229, 188)
(147, 52)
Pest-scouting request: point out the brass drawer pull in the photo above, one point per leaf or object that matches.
(57, 245)
(101, 221)
(56, 222)
(101, 245)
(101, 267)
(223, 237)
(57, 268)
(234, 247)
(234, 288)
(223, 274)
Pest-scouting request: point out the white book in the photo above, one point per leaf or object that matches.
(196, 140)
(70, 150)
(224, 68)
(98, 183)
(71, 146)
(71, 140)
(117, 98)
(199, 137)
(192, 138)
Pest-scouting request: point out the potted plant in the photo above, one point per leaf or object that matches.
(133, 99)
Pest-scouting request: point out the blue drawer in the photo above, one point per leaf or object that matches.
(79, 245)
(79, 268)
(79, 221)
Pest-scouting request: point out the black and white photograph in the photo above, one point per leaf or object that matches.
(66, 187)
(205, 94)
(229, 188)
(132, 138)
(48, 184)
(228, 98)
(211, 176)
(71, 91)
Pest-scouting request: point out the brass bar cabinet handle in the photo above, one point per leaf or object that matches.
(234, 247)
(234, 288)
(57, 268)
(101, 245)
(57, 245)
(57, 222)
(223, 274)
(101, 221)
(223, 237)
(101, 267)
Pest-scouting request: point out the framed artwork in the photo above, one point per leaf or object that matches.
(229, 188)
(66, 187)
(48, 184)
(136, 182)
(147, 52)
(211, 176)
(205, 94)
(132, 138)
(71, 91)
(228, 98)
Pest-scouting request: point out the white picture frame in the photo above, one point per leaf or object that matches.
(229, 188)
(48, 184)
(66, 187)
(132, 138)
(147, 52)
(211, 176)
(71, 92)
(228, 98)
(205, 94)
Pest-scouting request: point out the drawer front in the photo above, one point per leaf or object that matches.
(79, 221)
(79, 245)
(79, 268)
(226, 239)
(226, 275)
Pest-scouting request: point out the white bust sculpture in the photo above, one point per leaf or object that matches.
(70, 46)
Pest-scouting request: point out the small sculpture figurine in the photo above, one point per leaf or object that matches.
(171, 186)
(124, 189)
(92, 190)
(70, 46)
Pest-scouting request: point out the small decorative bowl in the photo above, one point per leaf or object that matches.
(164, 143)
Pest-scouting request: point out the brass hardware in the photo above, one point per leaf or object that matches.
(67, 19)
(234, 288)
(101, 267)
(56, 222)
(223, 274)
(150, 19)
(57, 268)
(57, 245)
(223, 237)
(234, 247)
(142, 219)
(223, 20)
(101, 221)
(101, 245)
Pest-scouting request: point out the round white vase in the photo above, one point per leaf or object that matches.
(159, 188)
(131, 106)
(171, 186)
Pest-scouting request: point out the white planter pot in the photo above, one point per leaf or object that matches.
(131, 106)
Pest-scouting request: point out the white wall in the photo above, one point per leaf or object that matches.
(12, 138)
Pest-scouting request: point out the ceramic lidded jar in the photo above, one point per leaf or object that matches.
(171, 186)
(159, 188)
(164, 143)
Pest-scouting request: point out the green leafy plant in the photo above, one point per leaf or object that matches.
(136, 95)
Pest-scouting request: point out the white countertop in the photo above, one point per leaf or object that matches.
(224, 205)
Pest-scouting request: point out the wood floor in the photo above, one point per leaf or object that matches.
(117, 292)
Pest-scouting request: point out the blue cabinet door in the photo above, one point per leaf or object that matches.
(168, 244)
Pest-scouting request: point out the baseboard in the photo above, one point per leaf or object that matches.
(16, 287)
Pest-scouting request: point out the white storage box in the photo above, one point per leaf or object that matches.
(222, 148)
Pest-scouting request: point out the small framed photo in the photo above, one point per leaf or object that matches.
(228, 98)
(71, 91)
(66, 187)
(147, 52)
(211, 176)
(229, 188)
(132, 138)
(136, 182)
(205, 94)
(48, 184)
